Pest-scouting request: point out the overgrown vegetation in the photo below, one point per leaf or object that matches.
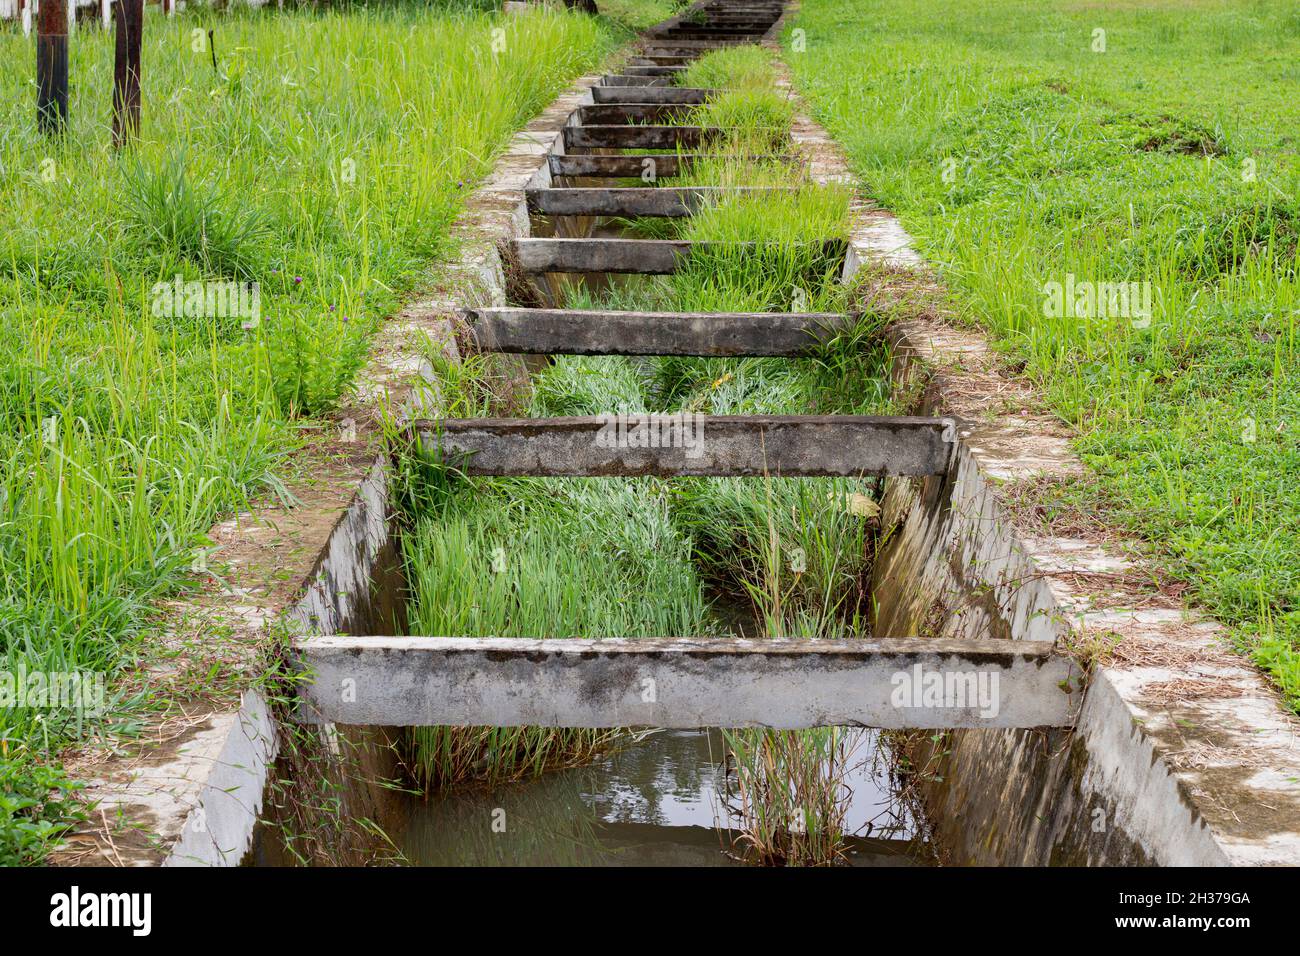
(607, 557)
(1023, 147)
(320, 794)
(324, 158)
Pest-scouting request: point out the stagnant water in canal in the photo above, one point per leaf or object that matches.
(660, 800)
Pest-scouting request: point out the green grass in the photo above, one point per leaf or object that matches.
(325, 158)
(638, 14)
(736, 68)
(535, 557)
(787, 788)
(1017, 155)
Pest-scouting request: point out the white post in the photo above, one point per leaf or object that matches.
(72, 17)
(27, 18)
(106, 13)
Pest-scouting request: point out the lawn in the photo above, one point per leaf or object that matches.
(1038, 146)
(321, 155)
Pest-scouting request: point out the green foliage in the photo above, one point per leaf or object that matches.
(732, 68)
(1018, 155)
(314, 161)
(175, 219)
(37, 806)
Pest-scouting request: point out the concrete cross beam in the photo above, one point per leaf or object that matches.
(612, 114)
(686, 683)
(692, 445)
(593, 332)
(639, 94)
(631, 256)
(659, 166)
(661, 59)
(679, 47)
(665, 202)
(637, 69)
(637, 137)
(627, 79)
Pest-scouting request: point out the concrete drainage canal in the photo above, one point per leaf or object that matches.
(677, 475)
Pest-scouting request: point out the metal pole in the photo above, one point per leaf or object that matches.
(52, 67)
(129, 22)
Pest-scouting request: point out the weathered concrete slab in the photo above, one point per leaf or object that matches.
(661, 166)
(626, 79)
(630, 256)
(639, 94)
(637, 137)
(739, 34)
(660, 59)
(687, 683)
(683, 445)
(612, 114)
(658, 201)
(680, 47)
(635, 69)
(593, 332)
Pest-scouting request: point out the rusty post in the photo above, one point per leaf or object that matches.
(128, 19)
(52, 67)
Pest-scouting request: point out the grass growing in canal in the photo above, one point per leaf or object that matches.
(747, 67)
(798, 550)
(544, 558)
(324, 158)
(1022, 146)
(787, 788)
(593, 557)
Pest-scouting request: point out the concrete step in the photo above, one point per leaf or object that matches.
(692, 445)
(636, 94)
(626, 256)
(685, 47)
(685, 683)
(661, 60)
(664, 202)
(628, 79)
(644, 114)
(638, 70)
(636, 137)
(596, 332)
(711, 33)
(663, 165)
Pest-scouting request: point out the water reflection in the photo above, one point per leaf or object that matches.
(659, 801)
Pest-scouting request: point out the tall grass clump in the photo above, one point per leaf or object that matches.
(530, 557)
(747, 67)
(788, 789)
